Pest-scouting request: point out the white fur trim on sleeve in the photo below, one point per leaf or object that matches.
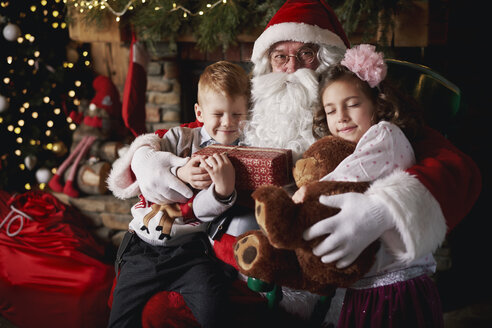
(419, 221)
(120, 180)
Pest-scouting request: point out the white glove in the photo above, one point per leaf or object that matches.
(362, 219)
(157, 184)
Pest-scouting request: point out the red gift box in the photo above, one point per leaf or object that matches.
(256, 167)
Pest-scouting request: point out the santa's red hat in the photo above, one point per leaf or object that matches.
(106, 96)
(301, 21)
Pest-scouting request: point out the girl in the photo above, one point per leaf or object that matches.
(357, 105)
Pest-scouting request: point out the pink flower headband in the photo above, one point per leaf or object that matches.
(366, 63)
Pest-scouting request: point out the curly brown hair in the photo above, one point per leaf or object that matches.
(390, 104)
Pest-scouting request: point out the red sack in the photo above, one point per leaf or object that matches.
(52, 272)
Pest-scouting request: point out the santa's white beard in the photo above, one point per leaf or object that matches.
(283, 109)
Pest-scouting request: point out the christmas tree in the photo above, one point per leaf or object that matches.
(43, 77)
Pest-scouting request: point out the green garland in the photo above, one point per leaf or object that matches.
(220, 24)
(217, 27)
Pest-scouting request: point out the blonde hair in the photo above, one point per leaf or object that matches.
(226, 78)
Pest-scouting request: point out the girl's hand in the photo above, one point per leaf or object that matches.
(222, 173)
(194, 174)
(299, 195)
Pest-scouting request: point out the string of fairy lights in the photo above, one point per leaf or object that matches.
(14, 34)
(55, 19)
(85, 5)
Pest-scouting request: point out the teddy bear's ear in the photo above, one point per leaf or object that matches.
(321, 158)
(305, 171)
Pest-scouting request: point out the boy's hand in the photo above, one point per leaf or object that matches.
(221, 170)
(194, 174)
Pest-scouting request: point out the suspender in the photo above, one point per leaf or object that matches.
(124, 244)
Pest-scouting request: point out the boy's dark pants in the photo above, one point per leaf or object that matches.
(189, 268)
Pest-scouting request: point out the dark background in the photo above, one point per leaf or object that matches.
(464, 60)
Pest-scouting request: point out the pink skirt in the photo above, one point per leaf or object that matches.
(411, 303)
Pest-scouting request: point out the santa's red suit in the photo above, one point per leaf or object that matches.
(424, 201)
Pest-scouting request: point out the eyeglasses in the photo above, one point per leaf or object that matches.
(305, 56)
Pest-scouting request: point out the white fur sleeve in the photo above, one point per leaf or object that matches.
(419, 221)
(121, 180)
(382, 149)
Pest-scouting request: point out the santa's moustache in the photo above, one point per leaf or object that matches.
(283, 109)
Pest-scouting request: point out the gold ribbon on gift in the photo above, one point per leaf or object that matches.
(247, 148)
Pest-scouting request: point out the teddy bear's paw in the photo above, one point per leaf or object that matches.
(246, 251)
(257, 258)
(276, 214)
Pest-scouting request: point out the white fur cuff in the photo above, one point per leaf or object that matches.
(419, 221)
(121, 180)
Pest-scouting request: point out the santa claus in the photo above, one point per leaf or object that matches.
(411, 210)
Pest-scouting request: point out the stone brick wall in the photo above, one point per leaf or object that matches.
(108, 217)
(165, 107)
(163, 95)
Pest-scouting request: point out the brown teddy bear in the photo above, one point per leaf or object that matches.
(278, 254)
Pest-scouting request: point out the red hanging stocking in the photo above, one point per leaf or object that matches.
(133, 108)
(69, 188)
(56, 182)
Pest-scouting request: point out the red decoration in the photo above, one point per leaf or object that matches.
(106, 96)
(256, 166)
(76, 117)
(133, 108)
(51, 269)
(94, 121)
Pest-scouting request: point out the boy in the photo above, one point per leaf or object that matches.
(166, 248)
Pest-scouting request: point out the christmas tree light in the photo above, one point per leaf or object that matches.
(37, 91)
